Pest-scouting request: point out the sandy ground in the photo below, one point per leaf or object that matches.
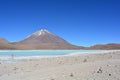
(90, 67)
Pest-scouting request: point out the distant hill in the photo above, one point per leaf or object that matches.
(4, 44)
(3, 41)
(105, 46)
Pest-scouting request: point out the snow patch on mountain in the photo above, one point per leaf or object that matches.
(41, 32)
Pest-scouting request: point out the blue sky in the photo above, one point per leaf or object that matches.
(80, 22)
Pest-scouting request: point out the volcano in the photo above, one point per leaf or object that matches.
(44, 39)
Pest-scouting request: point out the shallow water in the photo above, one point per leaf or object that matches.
(47, 52)
(23, 54)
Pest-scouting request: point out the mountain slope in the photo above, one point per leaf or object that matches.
(3, 41)
(43, 39)
(4, 44)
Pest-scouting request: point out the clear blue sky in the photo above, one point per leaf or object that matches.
(81, 22)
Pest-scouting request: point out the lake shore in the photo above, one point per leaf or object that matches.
(105, 66)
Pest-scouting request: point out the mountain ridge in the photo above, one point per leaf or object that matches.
(44, 39)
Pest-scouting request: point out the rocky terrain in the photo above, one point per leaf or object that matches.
(105, 66)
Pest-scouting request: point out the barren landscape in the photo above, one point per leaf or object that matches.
(78, 67)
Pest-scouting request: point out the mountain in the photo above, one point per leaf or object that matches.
(3, 41)
(105, 46)
(4, 44)
(44, 39)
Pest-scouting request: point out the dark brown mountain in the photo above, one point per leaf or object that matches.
(105, 46)
(43, 39)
